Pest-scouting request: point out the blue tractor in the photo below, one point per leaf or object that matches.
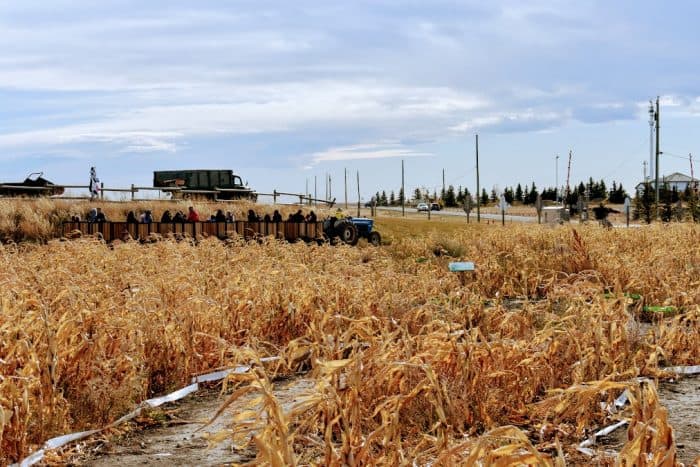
(350, 229)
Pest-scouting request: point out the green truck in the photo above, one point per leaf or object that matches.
(205, 184)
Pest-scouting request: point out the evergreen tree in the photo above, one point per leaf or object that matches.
(401, 197)
(572, 198)
(666, 196)
(550, 194)
(460, 196)
(449, 199)
(494, 195)
(519, 193)
(392, 199)
(644, 203)
(467, 194)
(617, 194)
(531, 196)
(384, 200)
(591, 187)
(693, 205)
(508, 195)
(417, 196)
(601, 190)
(686, 193)
(484, 197)
(674, 194)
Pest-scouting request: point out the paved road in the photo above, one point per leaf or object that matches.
(472, 217)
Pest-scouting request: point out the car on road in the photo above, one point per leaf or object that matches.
(435, 207)
(422, 207)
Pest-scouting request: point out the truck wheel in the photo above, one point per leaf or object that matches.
(348, 233)
(375, 239)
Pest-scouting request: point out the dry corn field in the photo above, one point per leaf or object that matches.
(516, 366)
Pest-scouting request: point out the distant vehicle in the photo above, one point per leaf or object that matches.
(435, 207)
(33, 186)
(208, 184)
(422, 207)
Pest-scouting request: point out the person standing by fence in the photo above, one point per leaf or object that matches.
(94, 184)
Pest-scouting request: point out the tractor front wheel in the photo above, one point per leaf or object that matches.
(375, 239)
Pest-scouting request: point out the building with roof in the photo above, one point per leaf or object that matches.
(676, 180)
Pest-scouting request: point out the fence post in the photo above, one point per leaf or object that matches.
(102, 190)
(133, 191)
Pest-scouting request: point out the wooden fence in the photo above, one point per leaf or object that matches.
(290, 231)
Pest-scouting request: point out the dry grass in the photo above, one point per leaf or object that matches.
(409, 365)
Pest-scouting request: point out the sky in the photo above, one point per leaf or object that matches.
(285, 93)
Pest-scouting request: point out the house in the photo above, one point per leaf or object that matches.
(676, 179)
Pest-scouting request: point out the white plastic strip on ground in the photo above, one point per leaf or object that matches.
(173, 396)
(60, 441)
(684, 370)
(622, 400)
(605, 431)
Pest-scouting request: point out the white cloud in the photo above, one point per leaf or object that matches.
(366, 151)
(254, 109)
(512, 121)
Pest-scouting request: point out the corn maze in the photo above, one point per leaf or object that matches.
(517, 366)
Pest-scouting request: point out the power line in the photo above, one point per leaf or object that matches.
(677, 156)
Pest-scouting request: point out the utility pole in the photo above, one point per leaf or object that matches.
(478, 190)
(652, 122)
(692, 174)
(315, 195)
(403, 192)
(346, 188)
(358, 193)
(330, 191)
(443, 181)
(645, 171)
(657, 119)
(568, 179)
(556, 178)
(306, 193)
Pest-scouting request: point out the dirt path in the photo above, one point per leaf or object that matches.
(178, 442)
(682, 399)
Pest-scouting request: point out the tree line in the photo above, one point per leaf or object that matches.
(671, 204)
(522, 193)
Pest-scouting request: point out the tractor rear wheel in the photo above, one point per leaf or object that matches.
(348, 233)
(375, 239)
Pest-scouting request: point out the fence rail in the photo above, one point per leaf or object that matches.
(303, 199)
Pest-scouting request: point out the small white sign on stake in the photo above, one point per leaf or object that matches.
(503, 205)
(627, 206)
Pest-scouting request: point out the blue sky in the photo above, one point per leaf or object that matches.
(283, 92)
